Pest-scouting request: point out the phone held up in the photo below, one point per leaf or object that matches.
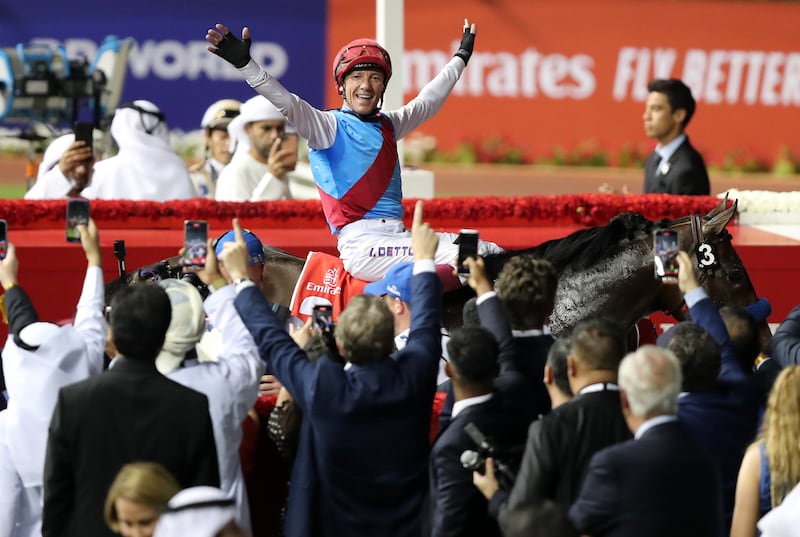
(467, 247)
(77, 213)
(83, 132)
(3, 239)
(323, 317)
(665, 246)
(195, 240)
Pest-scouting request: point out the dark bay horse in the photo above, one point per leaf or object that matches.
(604, 270)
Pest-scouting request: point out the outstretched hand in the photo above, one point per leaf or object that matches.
(424, 240)
(9, 267)
(209, 274)
(467, 41)
(234, 254)
(90, 241)
(687, 277)
(228, 47)
(478, 279)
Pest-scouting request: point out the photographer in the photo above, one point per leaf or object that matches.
(458, 508)
(65, 171)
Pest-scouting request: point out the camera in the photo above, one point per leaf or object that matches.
(506, 461)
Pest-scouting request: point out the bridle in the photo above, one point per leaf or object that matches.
(705, 254)
(705, 250)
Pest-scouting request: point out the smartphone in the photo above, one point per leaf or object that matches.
(323, 317)
(77, 213)
(665, 246)
(467, 247)
(83, 132)
(289, 143)
(195, 241)
(3, 239)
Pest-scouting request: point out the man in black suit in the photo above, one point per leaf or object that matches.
(499, 406)
(561, 443)
(675, 167)
(662, 483)
(129, 413)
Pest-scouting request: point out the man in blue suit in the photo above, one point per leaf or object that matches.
(719, 404)
(368, 421)
(661, 483)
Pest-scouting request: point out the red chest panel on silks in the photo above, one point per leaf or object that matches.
(323, 281)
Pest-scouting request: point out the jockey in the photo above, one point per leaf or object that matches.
(353, 150)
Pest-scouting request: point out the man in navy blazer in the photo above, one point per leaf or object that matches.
(675, 167)
(719, 404)
(368, 422)
(661, 483)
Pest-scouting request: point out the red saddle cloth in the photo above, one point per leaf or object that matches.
(323, 281)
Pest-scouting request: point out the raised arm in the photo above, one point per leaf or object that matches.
(316, 126)
(432, 96)
(90, 322)
(284, 358)
(706, 315)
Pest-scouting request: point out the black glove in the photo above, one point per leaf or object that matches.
(467, 44)
(234, 50)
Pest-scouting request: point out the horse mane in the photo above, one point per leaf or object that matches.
(583, 248)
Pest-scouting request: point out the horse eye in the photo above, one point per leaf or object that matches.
(735, 277)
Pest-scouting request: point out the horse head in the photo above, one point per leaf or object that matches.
(719, 268)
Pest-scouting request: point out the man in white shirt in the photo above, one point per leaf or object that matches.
(263, 163)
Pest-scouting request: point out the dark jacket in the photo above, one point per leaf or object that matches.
(459, 509)
(364, 445)
(785, 344)
(686, 175)
(724, 419)
(129, 413)
(558, 450)
(662, 484)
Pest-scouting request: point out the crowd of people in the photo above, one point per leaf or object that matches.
(129, 419)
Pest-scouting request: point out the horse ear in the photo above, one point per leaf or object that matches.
(719, 208)
(717, 222)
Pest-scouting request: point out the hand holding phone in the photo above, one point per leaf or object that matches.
(195, 243)
(322, 316)
(77, 214)
(665, 248)
(467, 247)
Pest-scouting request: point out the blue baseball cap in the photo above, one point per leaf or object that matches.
(396, 283)
(254, 247)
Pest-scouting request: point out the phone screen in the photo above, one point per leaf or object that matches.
(77, 213)
(323, 317)
(665, 246)
(195, 239)
(83, 132)
(467, 247)
(3, 239)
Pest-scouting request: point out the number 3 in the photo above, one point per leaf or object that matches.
(705, 255)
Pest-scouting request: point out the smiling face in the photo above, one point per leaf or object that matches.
(363, 89)
(660, 120)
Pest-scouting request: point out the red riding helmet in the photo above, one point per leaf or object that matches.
(363, 54)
